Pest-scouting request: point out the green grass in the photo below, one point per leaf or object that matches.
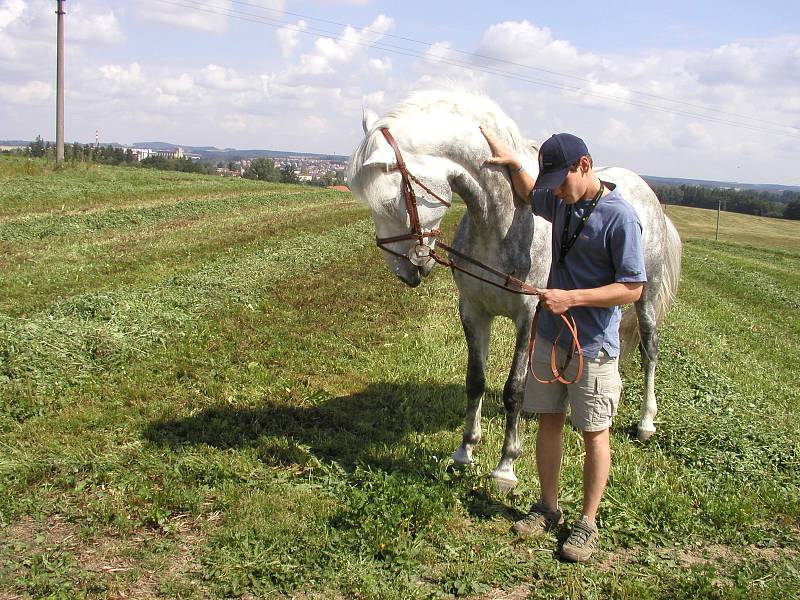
(214, 388)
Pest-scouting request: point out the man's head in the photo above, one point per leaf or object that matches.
(559, 156)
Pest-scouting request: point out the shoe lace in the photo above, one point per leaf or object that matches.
(580, 534)
(537, 512)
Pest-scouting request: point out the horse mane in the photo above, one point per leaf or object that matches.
(474, 107)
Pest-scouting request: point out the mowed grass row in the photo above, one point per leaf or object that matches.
(277, 416)
(31, 188)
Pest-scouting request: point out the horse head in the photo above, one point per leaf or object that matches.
(375, 181)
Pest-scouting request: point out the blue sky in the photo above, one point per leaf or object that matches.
(189, 72)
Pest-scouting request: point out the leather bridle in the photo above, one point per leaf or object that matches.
(421, 253)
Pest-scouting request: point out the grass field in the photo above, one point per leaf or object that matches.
(214, 388)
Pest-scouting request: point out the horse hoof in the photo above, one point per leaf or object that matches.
(461, 458)
(505, 486)
(644, 434)
(504, 480)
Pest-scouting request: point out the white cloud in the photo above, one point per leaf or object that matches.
(380, 66)
(220, 78)
(123, 78)
(33, 92)
(181, 85)
(93, 24)
(526, 44)
(315, 123)
(288, 37)
(330, 55)
(10, 11)
(208, 15)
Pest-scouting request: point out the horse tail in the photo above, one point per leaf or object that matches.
(670, 278)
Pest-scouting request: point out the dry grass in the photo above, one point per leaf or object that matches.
(735, 227)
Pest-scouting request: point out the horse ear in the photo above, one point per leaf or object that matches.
(382, 156)
(368, 119)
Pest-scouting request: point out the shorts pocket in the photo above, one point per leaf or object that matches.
(607, 392)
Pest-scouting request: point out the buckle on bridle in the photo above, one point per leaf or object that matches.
(420, 254)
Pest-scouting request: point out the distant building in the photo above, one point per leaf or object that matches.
(142, 153)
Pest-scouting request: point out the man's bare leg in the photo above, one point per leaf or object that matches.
(596, 467)
(549, 447)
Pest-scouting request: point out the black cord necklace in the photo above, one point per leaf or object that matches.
(566, 246)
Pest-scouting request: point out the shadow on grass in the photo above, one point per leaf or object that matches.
(373, 427)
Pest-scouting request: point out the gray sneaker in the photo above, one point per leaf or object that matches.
(583, 540)
(538, 521)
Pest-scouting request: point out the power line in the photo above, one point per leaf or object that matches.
(259, 19)
(506, 62)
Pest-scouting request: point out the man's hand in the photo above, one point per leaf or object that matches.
(556, 301)
(501, 154)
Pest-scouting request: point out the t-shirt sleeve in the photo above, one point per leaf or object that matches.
(543, 204)
(627, 253)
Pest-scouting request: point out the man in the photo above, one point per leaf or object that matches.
(597, 265)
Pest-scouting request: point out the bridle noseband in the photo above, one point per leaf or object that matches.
(421, 253)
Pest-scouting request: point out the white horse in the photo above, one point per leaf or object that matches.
(439, 137)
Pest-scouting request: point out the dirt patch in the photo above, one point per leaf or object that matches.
(697, 555)
(611, 561)
(518, 593)
(126, 566)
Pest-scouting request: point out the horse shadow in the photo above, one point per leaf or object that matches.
(377, 427)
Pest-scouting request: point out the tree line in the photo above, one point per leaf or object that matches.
(785, 205)
(114, 155)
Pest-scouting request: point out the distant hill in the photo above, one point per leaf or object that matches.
(759, 187)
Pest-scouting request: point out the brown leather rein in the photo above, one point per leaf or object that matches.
(421, 253)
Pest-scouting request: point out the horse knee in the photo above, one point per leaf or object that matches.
(513, 394)
(476, 384)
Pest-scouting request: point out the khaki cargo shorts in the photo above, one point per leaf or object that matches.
(592, 400)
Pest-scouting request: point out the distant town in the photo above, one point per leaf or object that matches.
(228, 162)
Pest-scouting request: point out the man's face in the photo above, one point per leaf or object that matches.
(572, 188)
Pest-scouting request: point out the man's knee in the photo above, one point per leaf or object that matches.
(594, 441)
(554, 420)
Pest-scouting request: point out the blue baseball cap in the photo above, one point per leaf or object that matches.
(556, 156)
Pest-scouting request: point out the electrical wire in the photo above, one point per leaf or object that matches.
(400, 50)
(505, 62)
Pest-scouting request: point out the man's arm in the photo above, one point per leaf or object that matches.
(613, 294)
(505, 156)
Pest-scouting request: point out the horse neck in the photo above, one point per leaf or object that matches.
(489, 198)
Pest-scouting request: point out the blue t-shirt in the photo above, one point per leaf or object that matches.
(608, 250)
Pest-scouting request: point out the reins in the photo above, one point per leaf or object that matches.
(421, 253)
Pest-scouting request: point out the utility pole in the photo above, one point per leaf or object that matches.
(60, 83)
(719, 209)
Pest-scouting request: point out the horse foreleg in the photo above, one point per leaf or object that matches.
(648, 348)
(477, 325)
(513, 392)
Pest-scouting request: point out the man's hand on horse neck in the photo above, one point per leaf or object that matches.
(504, 156)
